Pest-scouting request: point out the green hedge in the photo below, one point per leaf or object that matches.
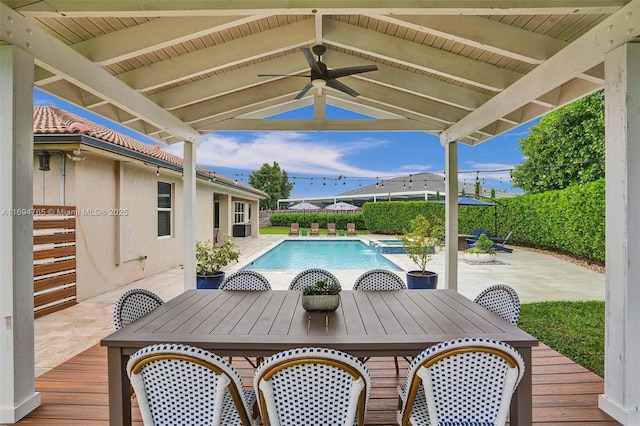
(570, 221)
(306, 219)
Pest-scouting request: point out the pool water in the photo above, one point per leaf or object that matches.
(341, 254)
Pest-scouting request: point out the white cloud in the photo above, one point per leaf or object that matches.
(295, 152)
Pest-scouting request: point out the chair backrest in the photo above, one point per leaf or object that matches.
(506, 238)
(465, 381)
(134, 304)
(351, 226)
(245, 280)
(310, 277)
(295, 226)
(379, 279)
(331, 226)
(312, 386)
(477, 232)
(180, 384)
(315, 226)
(502, 300)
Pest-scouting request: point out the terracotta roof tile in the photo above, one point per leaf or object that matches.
(53, 120)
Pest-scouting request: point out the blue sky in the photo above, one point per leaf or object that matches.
(314, 160)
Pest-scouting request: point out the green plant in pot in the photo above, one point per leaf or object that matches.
(420, 243)
(210, 260)
(483, 251)
(321, 296)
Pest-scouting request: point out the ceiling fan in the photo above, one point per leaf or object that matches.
(322, 76)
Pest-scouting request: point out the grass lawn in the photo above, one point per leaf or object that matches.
(575, 329)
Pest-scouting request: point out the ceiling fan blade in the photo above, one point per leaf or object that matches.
(335, 84)
(304, 91)
(283, 75)
(312, 61)
(343, 72)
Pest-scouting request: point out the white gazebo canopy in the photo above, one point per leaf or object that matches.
(463, 70)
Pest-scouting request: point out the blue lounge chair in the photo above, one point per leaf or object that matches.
(498, 243)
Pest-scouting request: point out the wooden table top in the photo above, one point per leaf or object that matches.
(367, 323)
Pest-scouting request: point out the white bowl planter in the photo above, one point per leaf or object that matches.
(479, 257)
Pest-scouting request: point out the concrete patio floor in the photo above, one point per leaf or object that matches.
(535, 276)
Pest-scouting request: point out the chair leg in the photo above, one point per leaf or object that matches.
(395, 360)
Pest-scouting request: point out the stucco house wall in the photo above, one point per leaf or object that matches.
(116, 197)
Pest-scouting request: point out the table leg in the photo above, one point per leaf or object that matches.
(521, 410)
(119, 388)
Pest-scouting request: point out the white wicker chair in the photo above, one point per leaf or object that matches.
(467, 381)
(312, 387)
(380, 279)
(179, 385)
(134, 304)
(246, 280)
(502, 300)
(310, 277)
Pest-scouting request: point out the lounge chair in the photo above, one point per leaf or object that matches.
(351, 230)
(498, 243)
(295, 230)
(331, 229)
(315, 230)
(476, 234)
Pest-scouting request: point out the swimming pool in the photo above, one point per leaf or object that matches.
(331, 255)
(388, 246)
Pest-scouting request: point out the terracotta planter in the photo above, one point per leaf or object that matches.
(209, 282)
(320, 302)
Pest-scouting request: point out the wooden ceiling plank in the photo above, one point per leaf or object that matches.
(485, 34)
(583, 54)
(56, 57)
(220, 56)
(418, 56)
(153, 35)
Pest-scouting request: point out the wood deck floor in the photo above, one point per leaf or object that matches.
(564, 393)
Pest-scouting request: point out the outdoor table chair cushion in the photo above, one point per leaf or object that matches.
(246, 280)
(178, 385)
(502, 300)
(312, 387)
(134, 304)
(310, 277)
(467, 381)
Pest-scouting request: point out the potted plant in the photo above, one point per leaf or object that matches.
(420, 243)
(321, 296)
(482, 252)
(210, 261)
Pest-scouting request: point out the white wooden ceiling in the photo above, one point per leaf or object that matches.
(463, 69)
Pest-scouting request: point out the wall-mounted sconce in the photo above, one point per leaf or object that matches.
(77, 155)
(158, 171)
(44, 159)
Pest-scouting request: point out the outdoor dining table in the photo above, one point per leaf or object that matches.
(262, 323)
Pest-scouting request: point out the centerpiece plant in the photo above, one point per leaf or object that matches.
(321, 296)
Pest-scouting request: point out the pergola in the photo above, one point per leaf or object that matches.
(465, 70)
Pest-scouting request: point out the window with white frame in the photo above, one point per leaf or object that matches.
(238, 216)
(165, 207)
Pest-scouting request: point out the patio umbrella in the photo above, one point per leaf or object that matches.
(341, 205)
(304, 206)
(468, 201)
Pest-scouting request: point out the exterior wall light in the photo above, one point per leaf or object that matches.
(44, 158)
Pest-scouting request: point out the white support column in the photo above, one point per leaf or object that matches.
(621, 398)
(189, 215)
(451, 214)
(255, 218)
(17, 392)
